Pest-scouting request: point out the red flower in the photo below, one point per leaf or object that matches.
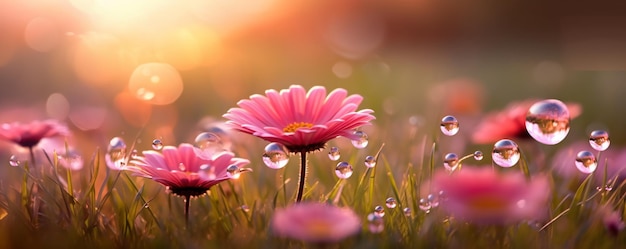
(299, 120)
(29, 135)
(315, 222)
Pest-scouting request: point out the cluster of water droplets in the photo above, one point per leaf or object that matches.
(547, 121)
(505, 153)
(431, 201)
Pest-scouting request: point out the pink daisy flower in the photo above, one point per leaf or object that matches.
(302, 121)
(29, 135)
(510, 122)
(186, 170)
(315, 222)
(483, 196)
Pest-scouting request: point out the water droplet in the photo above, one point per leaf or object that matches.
(391, 202)
(586, 162)
(207, 172)
(547, 121)
(376, 223)
(599, 140)
(157, 144)
(451, 162)
(233, 171)
(505, 153)
(425, 205)
(343, 170)
(449, 125)
(334, 154)
(478, 155)
(181, 167)
(433, 199)
(370, 161)
(360, 141)
(13, 161)
(116, 153)
(245, 208)
(379, 211)
(407, 211)
(207, 140)
(134, 154)
(275, 156)
(71, 160)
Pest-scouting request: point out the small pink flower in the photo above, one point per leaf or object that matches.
(185, 171)
(510, 122)
(299, 120)
(612, 221)
(483, 196)
(315, 222)
(29, 135)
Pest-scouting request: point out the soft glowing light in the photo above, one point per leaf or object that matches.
(97, 59)
(57, 106)
(133, 110)
(157, 83)
(41, 34)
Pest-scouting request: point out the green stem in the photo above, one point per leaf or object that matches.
(302, 178)
(187, 200)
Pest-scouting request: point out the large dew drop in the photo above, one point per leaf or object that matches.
(449, 125)
(116, 154)
(275, 156)
(207, 140)
(599, 140)
(360, 140)
(451, 162)
(547, 121)
(343, 170)
(505, 153)
(586, 162)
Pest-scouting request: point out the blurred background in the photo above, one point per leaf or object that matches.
(109, 67)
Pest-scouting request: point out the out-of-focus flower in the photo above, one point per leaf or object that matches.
(29, 135)
(612, 221)
(458, 96)
(186, 171)
(315, 222)
(483, 196)
(301, 121)
(510, 122)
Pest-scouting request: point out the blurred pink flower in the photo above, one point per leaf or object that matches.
(29, 135)
(612, 221)
(315, 222)
(510, 122)
(185, 171)
(299, 120)
(483, 196)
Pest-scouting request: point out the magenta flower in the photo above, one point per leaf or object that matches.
(510, 122)
(315, 222)
(483, 196)
(29, 135)
(187, 171)
(301, 121)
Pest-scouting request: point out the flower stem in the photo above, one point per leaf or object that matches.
(32, 159)
(187, 200)
(302, 179)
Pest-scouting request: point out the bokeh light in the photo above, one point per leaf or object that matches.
(157, 83)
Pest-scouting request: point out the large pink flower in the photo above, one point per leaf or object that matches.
(315, 222)
(510, 122)
(29, 135)
(185, 171)
(299, 120)
(483, 196)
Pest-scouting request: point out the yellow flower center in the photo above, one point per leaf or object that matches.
(296, 125)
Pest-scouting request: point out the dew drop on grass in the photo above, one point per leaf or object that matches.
(547, 121)
(391, 202)
(275, 156)
(379, 211)
(478, 155)
(586, 162)
(334, 154)
(599, 140)
(451, 161)
(425, 205)
(245, 208)
(505, 153)
(361, 140)
(449, 125)
(433, 200)
(407, 211)
(343, 170)
(116, 153)
(370, 161)
(375, 223)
